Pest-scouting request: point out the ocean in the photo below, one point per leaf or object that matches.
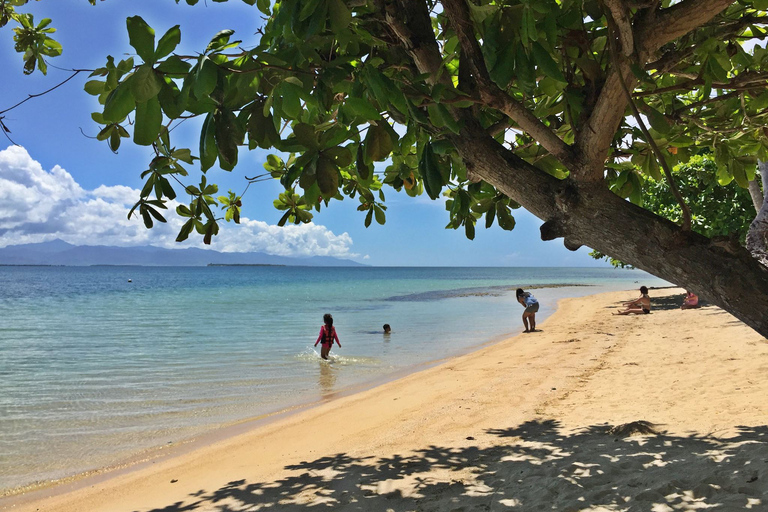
(99, 364)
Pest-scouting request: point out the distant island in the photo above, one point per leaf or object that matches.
(60, 253)
(244, 265)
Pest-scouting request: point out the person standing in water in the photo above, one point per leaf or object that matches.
(327, 336)
(531, 306)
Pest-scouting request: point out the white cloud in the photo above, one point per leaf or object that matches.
(37, 205)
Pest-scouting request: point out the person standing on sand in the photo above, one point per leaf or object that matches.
(641, 306)
(531, 306)
(327, 336)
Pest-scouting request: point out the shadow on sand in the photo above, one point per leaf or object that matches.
(662, 303)
(536, 466)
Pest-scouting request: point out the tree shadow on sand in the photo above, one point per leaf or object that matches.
(535, 466)
(663, 303)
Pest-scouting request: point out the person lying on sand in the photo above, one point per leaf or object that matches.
(691, 300)
(641, 306)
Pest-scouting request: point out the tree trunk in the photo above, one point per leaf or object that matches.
(589, 214)
(757, 237)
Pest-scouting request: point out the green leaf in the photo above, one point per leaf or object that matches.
(430, 172)
(658, 121)
(149, 119)
(205, 78)
(505, 218)
(327, 176)
(339, 15)
(145, 84)
(208, 152)
(186, 229)
(142, 37)
(229, 136)
(173, 65)
(94, 87)
(306, 136)
(378, 143)
(263, 6)
(219, 40)
(119, 104)
(378, 212)
(369, 217)
(358, 107)
(546, 63)
(526, 76)
(168, 42)
(291, 100)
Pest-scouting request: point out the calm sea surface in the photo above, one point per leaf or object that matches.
(94, 368)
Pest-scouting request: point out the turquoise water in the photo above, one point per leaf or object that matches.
(94, 368)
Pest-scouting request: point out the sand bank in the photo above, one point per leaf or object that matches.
(521, 425)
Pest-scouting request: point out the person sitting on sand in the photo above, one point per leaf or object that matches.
(387, 329)
(531, 306)
(691, 300)
(641, 306)
(327, 335)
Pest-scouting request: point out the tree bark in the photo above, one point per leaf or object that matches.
(757, 236)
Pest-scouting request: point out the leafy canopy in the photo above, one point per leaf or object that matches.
(331, 86)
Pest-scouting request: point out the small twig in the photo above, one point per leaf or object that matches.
(6, 131)
(29, 97)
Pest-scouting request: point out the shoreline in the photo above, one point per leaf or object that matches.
(216, 433)
(505, 383)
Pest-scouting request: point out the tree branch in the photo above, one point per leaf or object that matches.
(745, 80)
(620, 14)
(652, 30)
(492, 95)
(757, 236)
(661, 27)
(411, 23)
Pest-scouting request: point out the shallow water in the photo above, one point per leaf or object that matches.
(94, 368)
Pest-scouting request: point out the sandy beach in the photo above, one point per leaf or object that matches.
(659, 412)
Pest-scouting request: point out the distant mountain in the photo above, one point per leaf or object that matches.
(58, 252)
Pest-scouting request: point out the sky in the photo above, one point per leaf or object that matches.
(59, 182)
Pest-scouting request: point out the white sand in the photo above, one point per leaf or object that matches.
(521, 425)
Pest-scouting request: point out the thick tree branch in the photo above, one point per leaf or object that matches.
(589, 214)
(656, 28)
(666, 25)
(757, 236)
(621, 18)
(593, 140)
(492, 95)
(411, 23)
(756, 194)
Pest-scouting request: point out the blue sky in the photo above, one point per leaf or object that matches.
(61, 184)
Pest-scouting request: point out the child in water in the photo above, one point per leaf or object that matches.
(327, 335)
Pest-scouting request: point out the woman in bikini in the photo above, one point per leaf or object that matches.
(641, 306)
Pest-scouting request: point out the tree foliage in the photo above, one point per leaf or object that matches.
(717, 210)
(494, 103)
(330, 85)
